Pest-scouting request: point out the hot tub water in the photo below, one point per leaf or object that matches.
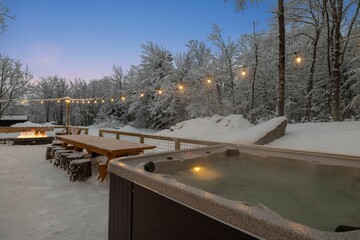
(319, 198)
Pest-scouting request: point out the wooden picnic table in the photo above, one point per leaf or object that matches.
(105, 146)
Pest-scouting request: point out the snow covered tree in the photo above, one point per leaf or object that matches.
(14, 80)
(341, 16)
(4, 15)
(228, 51)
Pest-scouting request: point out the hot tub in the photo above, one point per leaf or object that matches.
(234, 192)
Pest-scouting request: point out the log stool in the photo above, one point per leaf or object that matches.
(80, 170)
(52, 152)
(62, 159)
(72, 157)
(70, 147)
(58, 156)
(57, 143)
(48, 152)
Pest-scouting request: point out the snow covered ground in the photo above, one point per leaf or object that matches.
(332, 137)
(37, 200)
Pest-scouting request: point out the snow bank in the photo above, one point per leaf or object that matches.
(230, 129)
(210, 128)
(330, 137)
(253, 134)
(27, 124)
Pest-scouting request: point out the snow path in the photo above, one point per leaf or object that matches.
(39, 202)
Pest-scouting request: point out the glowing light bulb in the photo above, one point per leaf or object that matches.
(181, 87)
(160, 92)
(243, 72)
(196, 169)
(88, 102)
(112, 99)
(41, 102)
(58, 101)
(123, 98)
(95, 101)
(209, 81)
(103, 101)
(142, 95)
(298, 59)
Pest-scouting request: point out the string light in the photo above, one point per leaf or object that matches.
(123, 98)
(297, 58)
(112, 99)
(181, 87)
(88, 102)
(160, 91)
(208, 80)
(95, 101)
(102, 100)
(58, 101)
(243, 72)
(142, 94)
(41, 102)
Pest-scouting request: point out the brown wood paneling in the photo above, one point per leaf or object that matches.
(157, 217)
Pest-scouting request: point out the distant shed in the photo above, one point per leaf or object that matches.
(7, 121)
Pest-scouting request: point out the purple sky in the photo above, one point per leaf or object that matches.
(83, 39)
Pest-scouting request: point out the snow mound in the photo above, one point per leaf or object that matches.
(27, 124)
(137, 130)
(329, 137)
(210, 128)
(230, 129)
(253, 134)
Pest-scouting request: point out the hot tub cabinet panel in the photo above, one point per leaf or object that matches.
(120, 204)
(137, 213)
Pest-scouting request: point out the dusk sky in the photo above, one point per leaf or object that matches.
(83, 39)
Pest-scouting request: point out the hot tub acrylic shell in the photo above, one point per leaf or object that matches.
(253, 220)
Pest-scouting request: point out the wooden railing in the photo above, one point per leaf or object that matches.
(72, 129)
(162, 143)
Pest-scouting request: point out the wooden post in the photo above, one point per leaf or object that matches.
(177, 144)
(67, 112)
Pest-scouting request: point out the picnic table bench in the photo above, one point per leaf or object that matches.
(111, 148)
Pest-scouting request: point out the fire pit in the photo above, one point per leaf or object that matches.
(33, 136)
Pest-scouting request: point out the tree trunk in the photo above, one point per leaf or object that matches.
(310, 87)
(281, 21)
(252, 119)
(336, 14)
